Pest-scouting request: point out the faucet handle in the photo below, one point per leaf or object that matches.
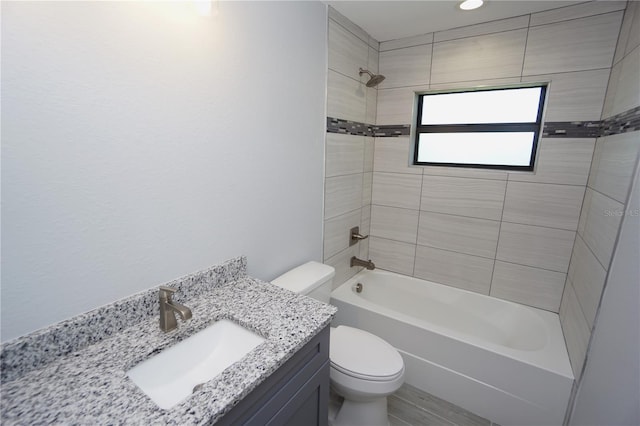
(166, 292)
(354, 236)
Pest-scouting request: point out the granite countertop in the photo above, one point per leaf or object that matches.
(87, 384)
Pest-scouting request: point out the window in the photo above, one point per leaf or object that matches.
(485, 128)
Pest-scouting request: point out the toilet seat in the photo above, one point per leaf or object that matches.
(362, 355)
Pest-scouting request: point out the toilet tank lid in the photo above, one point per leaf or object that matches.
(305, 278)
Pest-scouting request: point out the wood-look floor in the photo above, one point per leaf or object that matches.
(410, 406)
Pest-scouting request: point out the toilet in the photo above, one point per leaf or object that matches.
(365, 369)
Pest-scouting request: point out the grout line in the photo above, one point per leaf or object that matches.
(345, 75)
(419, 408)
(431, 62)
(415, 250)
(578, 18)
(543, 226)
(603, 194)
(566, 72)
(495, 256)
(524, 53)
(349, 31)
(534, 267)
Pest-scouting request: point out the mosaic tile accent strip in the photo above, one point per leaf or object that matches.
(89, 386)
(628, 121)
(337, 125)
(571, 129)
(392, 130)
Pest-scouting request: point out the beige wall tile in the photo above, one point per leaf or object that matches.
(613, 162)
(565, 161)
(373, 43)
(612, 91)
(467, 235)
(367, 188)
(601, 219)
(476, 58)
(363, 249)
(406, 42)
(463, 197)
(587, 276)
(369, 147)
(396, 190)
(394, 224)
(574, 96)
(575, 45)
(471, 84)
(535, 287)
(365, 220)
(346, 23)
(535, 246)
(624, 86)
(465, 172)
(347, 53)
(391, 255)
(392, 156)
(343, 154)
(342, 194)
(395, 106)
(553, 206)
(634, 31)
(346, 98)
(336, 232)
(455, 269)
(406, 67)
(342, 264)
(373, 61)
(627, 22)
(576, 11)
(575, 328)
(371, 105)
(484, 28)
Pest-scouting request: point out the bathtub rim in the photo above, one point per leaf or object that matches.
(553, 358)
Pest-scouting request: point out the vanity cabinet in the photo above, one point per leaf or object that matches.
(296, 394)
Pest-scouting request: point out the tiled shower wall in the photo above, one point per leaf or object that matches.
(606, 197)
(506, 234)
(349, 158)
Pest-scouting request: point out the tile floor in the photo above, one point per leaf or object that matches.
(410, 406)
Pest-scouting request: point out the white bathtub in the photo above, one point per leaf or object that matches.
(501, 360)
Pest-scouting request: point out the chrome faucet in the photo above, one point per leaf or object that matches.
(366, 263)
(168, 309)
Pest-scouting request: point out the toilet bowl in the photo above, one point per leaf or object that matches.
(364, 369)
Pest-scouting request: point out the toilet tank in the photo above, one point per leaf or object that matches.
(312, 279)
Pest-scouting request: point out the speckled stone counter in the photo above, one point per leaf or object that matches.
(74, 372)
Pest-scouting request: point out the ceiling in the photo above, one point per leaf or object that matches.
(390, 20)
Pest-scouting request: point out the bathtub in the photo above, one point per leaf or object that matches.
(501, 360)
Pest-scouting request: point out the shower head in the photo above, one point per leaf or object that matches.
(375, 78)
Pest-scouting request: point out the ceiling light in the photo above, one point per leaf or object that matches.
(470, 4)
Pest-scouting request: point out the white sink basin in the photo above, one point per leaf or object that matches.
(170, 376)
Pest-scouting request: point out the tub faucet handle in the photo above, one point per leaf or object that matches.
(355, 236)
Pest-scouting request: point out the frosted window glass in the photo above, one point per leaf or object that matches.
(487, 148)
(495, 106)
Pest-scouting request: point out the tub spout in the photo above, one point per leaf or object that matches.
(366, 263)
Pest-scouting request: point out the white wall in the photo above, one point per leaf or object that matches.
(141, 142)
